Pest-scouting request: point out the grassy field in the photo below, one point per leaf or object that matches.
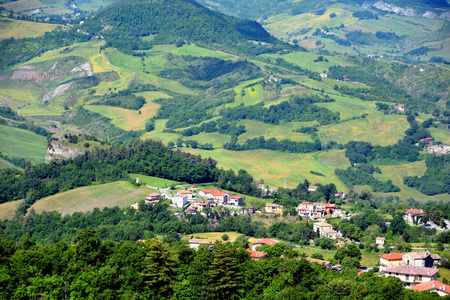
(119, 193)
(22, 29)
(20, 143)
(8, 209)
(154, 181)
(22, 5)
(217, 236)
(7, 165)
(256, 129)
(128, 119)
(440, 134)
(388, 128)
(275, 167)
(159, 135)
(396, 174)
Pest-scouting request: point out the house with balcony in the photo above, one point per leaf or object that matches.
(411, 275)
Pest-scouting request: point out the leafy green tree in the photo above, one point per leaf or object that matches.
(161, 272)
(88, 250)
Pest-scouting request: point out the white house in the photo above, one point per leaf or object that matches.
(179, 200)
(188, 193)
(195, 243)
(235, 200)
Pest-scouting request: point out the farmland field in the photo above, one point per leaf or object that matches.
(22, 29)
(20, 143)
(256, 129)
(275, 167)
(8, 209)
(119, 193)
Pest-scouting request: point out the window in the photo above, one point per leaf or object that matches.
(420, 277)
(407, 277)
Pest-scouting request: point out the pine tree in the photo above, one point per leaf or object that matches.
(161, 270)
(224, 276)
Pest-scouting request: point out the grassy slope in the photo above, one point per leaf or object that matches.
(275, 167)
(256, 129)
(128, 119)
(120, 193)
(22, 29)
(20, 143)
(396, 174)
(7, 209)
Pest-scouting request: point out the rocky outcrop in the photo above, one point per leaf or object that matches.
(59, 91)
(445, 15)
(429, 15)
(58, 149)
(384, 6)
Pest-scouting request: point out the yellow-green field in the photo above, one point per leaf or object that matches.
(7, 165)
(119, 193)
(20, 143)
(7, 209)
(22, 29)
(128, 119)
(440, 134)
(217, 236)
(158, 135)
(256, 129)
(21, 5)
(368, 259)
(379, 130)
(154, 181)
(275, 167)
(396, 174)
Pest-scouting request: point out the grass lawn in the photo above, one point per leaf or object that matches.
(396, 174)
(154, 181)
(7, 165)
(21, 143)
(217, 236)
(22, 29)
(119, 193)
(159, 135)
(256, 129)
(440, 134)
(388, 128)
(22, 5)
(7, 209)
(275, 167)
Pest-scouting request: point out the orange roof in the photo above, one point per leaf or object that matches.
(265, 241)
(256, 254)
(392, 256)
(235, 197)
(319, 261)
(360, 272)
(431, 286)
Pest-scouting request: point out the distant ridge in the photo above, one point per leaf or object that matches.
(125, 23)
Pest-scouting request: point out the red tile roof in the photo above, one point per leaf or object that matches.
(431, 286)
(235, 197)
(411, 270)
(265, 241)
(184, 192)
(392, 256)
(256, 254)
(417, 212)
(319, 261)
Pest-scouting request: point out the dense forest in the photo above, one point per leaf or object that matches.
(128, 21)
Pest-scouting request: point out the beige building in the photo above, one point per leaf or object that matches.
(411, 275)
(420, 259)
(391, 259)
(274, 209)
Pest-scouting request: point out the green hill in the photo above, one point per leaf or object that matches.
(125, 24)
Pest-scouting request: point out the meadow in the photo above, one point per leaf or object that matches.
(274, 167)
(22, 29)
(285, 131)
(20, 143)
(8, 209)
(119, 193)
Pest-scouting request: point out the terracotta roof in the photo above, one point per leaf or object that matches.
(256, 254)
(431, 286)
(326, 230)
(265, 241)
(411, 270)
(435, 256)
(319, 261)
(273, 205)
(419, 255)
(392, 256)
(414, 211)
(381, 238)
(210, 191)
(313, 187)
(235, 197)
(360, 272)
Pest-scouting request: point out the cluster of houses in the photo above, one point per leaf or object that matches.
(209, 198)
(438, 149)
(316, 211)
(413, 268)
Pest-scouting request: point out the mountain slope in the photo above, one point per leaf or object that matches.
(125, 23)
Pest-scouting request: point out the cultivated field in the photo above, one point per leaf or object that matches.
(22, 29)
(8, 209)
(20, 143)
(119, 193)
(274, 167)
